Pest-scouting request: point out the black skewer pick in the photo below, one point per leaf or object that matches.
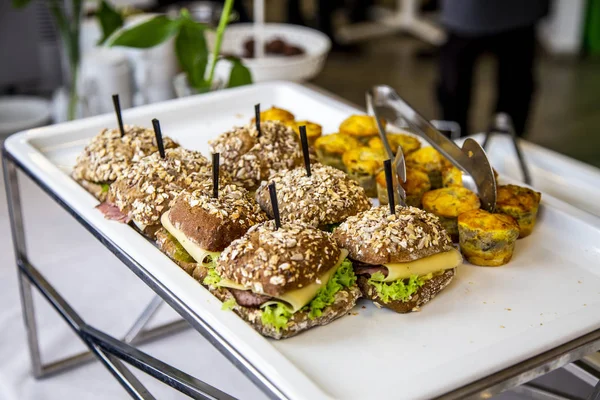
(304, 140)
(117, 105)
(215, 171)
(159, 140)
(257, 117)
(274, 204)
(389, 181)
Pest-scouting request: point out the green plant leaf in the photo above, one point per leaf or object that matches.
(239, 75)
(20, 3)
(191, 50)
(110, 20)
(148, 34)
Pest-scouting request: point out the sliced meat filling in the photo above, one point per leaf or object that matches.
(361, 268)
(112, 212)
(248, 299)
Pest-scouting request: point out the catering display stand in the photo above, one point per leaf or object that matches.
(481, 358)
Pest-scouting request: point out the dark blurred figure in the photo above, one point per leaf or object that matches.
(505, 28)
(356, 11)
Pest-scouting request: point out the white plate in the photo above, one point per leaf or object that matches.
(488, 319)
(570, 180)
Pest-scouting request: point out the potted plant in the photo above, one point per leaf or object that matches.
(190, 47)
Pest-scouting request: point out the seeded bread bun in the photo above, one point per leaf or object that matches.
(274, 261)
(250, 158)
(145, 190)
(108, 154)
(425, 293)
(376, 237)
(326, 197)
(213, 223)
(343, 302)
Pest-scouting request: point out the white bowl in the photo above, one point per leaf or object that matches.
(294, 68)
(18, 113)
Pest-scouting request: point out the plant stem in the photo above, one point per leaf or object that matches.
(220, 31)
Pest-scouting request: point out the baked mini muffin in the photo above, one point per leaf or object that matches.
(448, 204)
(362, 127)
(451, 176)
(487, 239)
(322, 200)
(362, 164)
(276, 114)
(429, 160)
(407, 142)
(330, 148)
(417, 183)
(521, 203)
(313, 130)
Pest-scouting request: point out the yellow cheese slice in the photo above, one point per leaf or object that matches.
(298, 298)
(437, 262)
(197, 252)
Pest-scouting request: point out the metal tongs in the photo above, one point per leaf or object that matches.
(471, 159)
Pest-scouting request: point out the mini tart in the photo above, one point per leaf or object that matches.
(451, 177)
(361, 127)
(417, 183)
(251, 159)
(326, 197)
(275, 114)
(313, 130)
(407, 142)
(487, 239)
(429, 160)
(448, 204)
(108, 154)
(330, 148)
(362, 165)
(521, 203)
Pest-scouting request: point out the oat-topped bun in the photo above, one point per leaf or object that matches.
(108, 154)
(326, 197)
(376, 237)
(273, 261)
(146, 189)
(251, 159)
(213, 223)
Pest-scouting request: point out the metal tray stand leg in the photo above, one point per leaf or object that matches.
(108, 350)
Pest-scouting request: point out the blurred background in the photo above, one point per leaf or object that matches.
(452, 59)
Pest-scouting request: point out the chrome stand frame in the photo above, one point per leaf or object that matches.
(114, 353)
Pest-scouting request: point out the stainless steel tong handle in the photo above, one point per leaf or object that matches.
(471, 159)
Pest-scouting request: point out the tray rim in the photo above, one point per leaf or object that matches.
(18, 149)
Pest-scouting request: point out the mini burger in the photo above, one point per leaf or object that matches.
(251, 157)
(109, 154)
(402, 260)
(145, 190)
(287, 280)
(322, 200)
(199, 226)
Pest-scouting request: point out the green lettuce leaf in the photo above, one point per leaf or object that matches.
(344, 277)
(228, 305)
(276, 315)
(105, 187)
(212, 278)
(331, 227)
(398, 290)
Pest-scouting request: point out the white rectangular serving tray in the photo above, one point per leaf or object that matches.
(553, 173)
(487, 320)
